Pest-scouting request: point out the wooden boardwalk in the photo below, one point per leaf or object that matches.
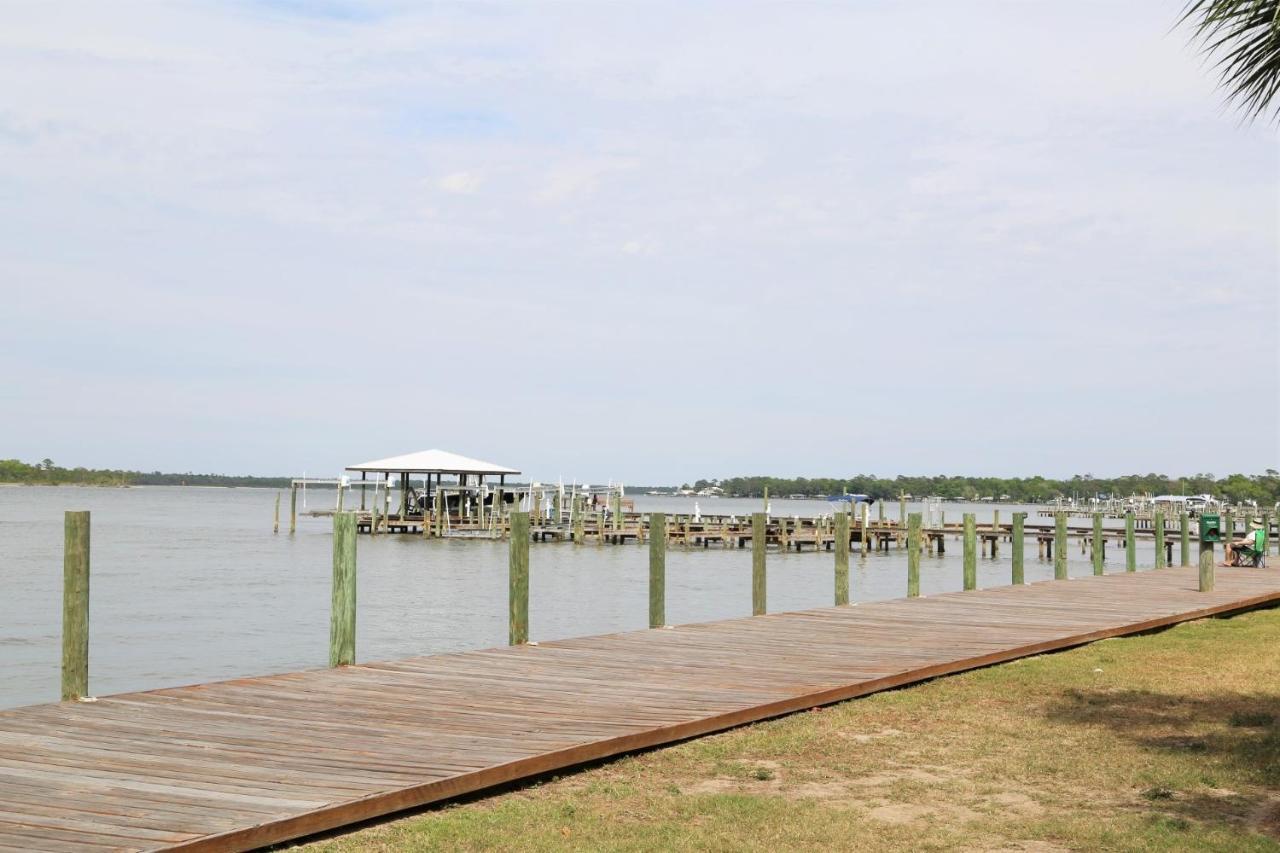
(240, 764)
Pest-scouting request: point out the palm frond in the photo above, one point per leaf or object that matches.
(1243, 37)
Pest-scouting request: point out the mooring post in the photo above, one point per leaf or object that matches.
(970, 551)
(757, 563)
(341, 495)
(1016, 545)
(1098, 553)
(1157, 520)
(518, 596)
(866, 518)
(1184, 536)
(902, 510)
(913, 555)
(275, 526)
(75, 606)
(1060, 546)
(842, 558)
(373, 514)
(293, 508)
(342, 618)
(1206, 566)
(657, 569)
(1130, 545)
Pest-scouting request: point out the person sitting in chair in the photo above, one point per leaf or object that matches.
(1254, 540)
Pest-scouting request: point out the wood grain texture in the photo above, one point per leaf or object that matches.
(255, 761)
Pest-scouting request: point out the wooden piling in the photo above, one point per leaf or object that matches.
(275, 526)
(1130, 546)
(342, 618)
(842, 558)
(1206, 566)
(757, 563)
(913, 555)
(373, 513)
(1184, 537)
(1060, 546)
(518, 576)
(970, 551)
(866, 518)
(1098, 554)
(657, 569)
(293, 508)
(75, 606)
(1016, 545)
(1157, 523)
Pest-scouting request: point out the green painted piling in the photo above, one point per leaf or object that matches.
(1016, 545)
(1184, 537)
(75, 606)
(342, 618)
(970, 551)
(842, 558)
(518, 576)
(1206, 567)
(757, 564)
(1098, 565)
(1130, 545)
(1157, 523)
(657, 569)
(1060, 546)
(913, 555)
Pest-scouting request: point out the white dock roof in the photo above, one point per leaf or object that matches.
(431, 462)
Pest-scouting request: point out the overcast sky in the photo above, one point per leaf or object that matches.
(649, 241)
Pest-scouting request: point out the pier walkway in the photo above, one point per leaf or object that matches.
(244, 763)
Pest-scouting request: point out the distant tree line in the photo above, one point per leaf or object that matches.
(1263, 488)
(47, 473)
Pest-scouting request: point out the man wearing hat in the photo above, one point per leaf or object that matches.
(1255, 539)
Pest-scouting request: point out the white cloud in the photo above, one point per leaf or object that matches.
(462, 183)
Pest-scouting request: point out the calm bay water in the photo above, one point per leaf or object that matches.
(190, 585)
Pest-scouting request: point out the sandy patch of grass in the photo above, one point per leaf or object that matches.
(1166, 741)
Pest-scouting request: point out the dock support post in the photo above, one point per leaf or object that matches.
(275, 526)
(373, 513)
(657, 569)
(75, 606)
(1130, 552)
(757, 563)
(293, 508)
(913, 555)
(902, 510)
(518, 573)
(1098, 554)
(842, 558)
(1016, 545)
(1184, 536)
(1060, 546)
(1206, 566)
(866, 517)
(342, 617)
(970, 552)
(1157, 522)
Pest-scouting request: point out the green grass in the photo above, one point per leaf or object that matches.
(1165, 741)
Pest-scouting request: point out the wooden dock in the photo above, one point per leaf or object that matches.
(240, 764)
